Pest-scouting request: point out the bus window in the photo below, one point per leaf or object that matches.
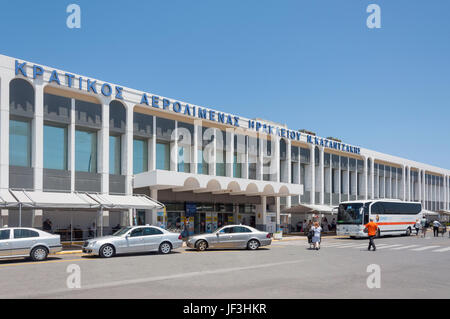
(377, 209)
(352, 214)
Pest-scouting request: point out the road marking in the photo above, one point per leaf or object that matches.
(442, 250)
(361, 246)
(405, 247)
(425, 248)
(160, 278)
(42, 262)
(388, 246)
(341, 244)
(348, 246)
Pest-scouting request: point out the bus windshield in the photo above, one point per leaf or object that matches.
(352, 214)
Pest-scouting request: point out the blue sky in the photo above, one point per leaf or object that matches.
(309, 64)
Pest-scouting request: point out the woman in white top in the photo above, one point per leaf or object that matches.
(316, 238)
(417, 226)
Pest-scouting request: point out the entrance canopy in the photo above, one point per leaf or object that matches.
(6, 199)
(126, 202)
(429, 213)
(444, 212)
(47, 200)
(306, 208)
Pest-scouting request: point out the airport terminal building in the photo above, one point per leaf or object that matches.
(91, 145)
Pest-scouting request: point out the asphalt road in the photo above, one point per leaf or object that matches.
(410, 267)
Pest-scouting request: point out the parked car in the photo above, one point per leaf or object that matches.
(133, 239)
(231, 236)
(28, 242)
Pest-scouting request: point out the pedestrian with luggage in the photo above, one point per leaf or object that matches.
(316, 229)
(436, 225)
(371, 229)
(417, 226)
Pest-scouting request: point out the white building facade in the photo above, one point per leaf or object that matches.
(64, 132)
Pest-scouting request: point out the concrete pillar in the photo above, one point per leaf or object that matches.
(330, 181)
(278, 212)
(103, 149)
(174, 150)
(276, 158)
(365, 178)
(420, 185)
(261, 213)
(246, 160)
(127, 150)
(259, 159)
(313, 175)
(347, 186)
(340, 179)
(71, 146)
(229, 146)
(353, 190)
(404, 183)
(152, 148)
(37, 146)
(211, 149)
(288, 162)
(372, 177)
(151, 216)
(408, 190)
(322, 175)
(194, 150)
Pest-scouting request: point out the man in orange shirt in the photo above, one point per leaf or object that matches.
(372, 228)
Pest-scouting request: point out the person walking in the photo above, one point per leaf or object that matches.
(417, 226)
(436, 225)
(316, 238)
(424, 223)
(372, 228)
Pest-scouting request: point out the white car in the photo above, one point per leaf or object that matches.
(134, 239)
(28, 242)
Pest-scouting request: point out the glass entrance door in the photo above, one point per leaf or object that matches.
(200, 223)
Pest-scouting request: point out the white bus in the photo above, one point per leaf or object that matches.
(393, 217)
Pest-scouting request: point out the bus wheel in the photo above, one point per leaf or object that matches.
(378, 233)
(408, 232)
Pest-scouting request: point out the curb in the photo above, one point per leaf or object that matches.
(305, 238)
(69, 252)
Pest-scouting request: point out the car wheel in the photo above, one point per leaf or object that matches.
(202, 245)
(107, 251)
(39, 253)
(165, 248)
(253, 244)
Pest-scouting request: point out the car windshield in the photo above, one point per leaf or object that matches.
(122, 231)
(351, 214)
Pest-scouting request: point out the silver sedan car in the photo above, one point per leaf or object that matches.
(28, 242)
(134, 239)
(232, 236)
